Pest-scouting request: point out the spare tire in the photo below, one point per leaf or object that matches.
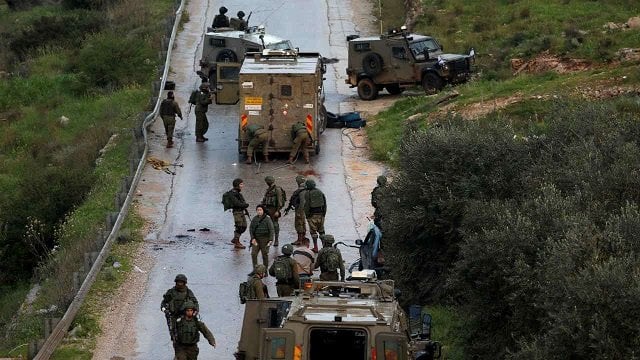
(227, 55)
(372, 64)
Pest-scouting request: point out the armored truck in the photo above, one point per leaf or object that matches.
(224, 49)
(398, 60)
(277, 89)
(355, 320)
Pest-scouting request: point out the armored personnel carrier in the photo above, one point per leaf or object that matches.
(356, 320)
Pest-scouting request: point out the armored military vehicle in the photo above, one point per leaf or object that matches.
(277, 89)
(223, 51)
(399, 59)
(356, 320)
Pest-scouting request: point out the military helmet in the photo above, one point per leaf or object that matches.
(287, 249)
(237, 182)
(188, 305)
(382, 180)
(260, 269)
(310, 184)
(181, 277)
(300, 179)
(269, 180)
(170, 95)
(327, 239)
(204, 86)
(223, 10)
(240, 14)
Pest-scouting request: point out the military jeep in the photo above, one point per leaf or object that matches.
(355, 320)
(398, 60)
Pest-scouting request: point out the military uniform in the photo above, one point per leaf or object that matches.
(187, 335)
(299, 222)
(376, 199)
(262, 230)
(258, 287)
(285, 287)
(173, 301)
(202, 106)
(257, 135)
(315, 209)
(221, 20)
(273, 201)
(239, 23)
(300, 141)
(327, 273)
(168, 110)
(238, 209)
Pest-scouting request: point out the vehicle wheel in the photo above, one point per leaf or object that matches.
(372, 64)
(323, 119)
(394, 89)
(367, 90)
(227, 55)
(431, 83)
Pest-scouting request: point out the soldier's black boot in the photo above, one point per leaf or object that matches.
(315, 244)
(236, 238)
(275, 242)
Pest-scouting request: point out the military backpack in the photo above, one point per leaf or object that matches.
(227, 200)
(316, 199)
(331, 259)
(193, 98)
(282, 268)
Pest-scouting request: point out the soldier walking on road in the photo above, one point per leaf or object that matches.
(315, 209)
(301, 138)
(187, 334)
(174, 299)
(329, 260)
(221, 20)
(261, 230)
(376, 199)
(284, 268)
(234, 200)
(169, 108)
(202, 106)
(257, 135)
(273, 201)
(300, 222)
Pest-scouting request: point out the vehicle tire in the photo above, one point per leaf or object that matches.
(367, 90)
(323, 114)
(372, 64)
(394, 89)
(431, 83)
(227, 55)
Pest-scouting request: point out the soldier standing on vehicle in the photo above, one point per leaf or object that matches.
(376, 199)
(187, 333)
(261, 230)
(234, 200)
(202, 105)
(257, 135)
(173, 300)
(304, 259)
(169, 108)
(329, 260)
(239, 23)
(221, 20)
(301, 138)
(284, 268)
(295, 203)
(273, 201)
(315, 209)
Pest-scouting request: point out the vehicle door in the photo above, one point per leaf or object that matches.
(278, 344)
(401, 63)
(227, 83)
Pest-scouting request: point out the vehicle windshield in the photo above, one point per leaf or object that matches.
(418, 48)
(281, 45)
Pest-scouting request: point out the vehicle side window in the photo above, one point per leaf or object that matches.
(362, 47)
(217, 42)
(391, 350)
(278, 348)
(399, 52)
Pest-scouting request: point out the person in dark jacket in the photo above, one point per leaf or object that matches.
(262, 233)
(221, 20)
(169, 109)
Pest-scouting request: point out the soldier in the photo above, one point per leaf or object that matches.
(304, 259)
(202, 105)
(261, 230)
(221, 20)
(239, 23)
(329, 260)
(258, 288)
(239, 209)
(173, 300)
(274, 200)
(315, 209)
(257, 135)
(301, 138)
(376, 199)
(284, 268)
(187, 334)
(169, 108)
(295, 203)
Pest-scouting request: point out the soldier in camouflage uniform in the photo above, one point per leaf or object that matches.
(315, 209)
(376, 199)
(187, 334)
(262, 232)
(273, 200)
(295, 202)
(173, 300)
(239, 210)
(168, 110)
(202, 105)
(300, 141)
(257, 135)
(285, 287)
(328, 272)
(258, 288)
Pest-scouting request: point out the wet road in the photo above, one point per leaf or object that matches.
(213, 267)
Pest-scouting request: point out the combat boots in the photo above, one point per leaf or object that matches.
(299, 239)
(275, 242)
(306, 157)
(248, 161)
(238, 245)
(169, 143)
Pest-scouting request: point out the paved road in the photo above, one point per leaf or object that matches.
(214, 269)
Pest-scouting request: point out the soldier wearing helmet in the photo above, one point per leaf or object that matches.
(274, 200)
(187, 333)
(173, 300)
(202, 106)
(258, 288)
(299, 222)
(330, 260)
(285, 271)
(315, 209)
(239, 23)
(376, 199)
(221, 20)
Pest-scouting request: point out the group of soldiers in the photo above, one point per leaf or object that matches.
(259, 136)
(222, 20)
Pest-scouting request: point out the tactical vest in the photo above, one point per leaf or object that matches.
(271, 197)
(316, 200)
(262, 227)
(254, 129)
(166, 108)
(187, 331)
(177, 299)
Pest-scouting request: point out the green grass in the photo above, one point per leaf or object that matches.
(446, 328)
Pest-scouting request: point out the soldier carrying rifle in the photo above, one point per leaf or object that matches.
(173, 301)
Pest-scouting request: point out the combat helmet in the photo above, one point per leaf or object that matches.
(269, 180)
(327, 240)
(260, 269)
(189, 304)
(181, 277)
(204, 86)
(287, 249)
(223, 10)
(310, 184)
(300, 180)
(240, 14)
